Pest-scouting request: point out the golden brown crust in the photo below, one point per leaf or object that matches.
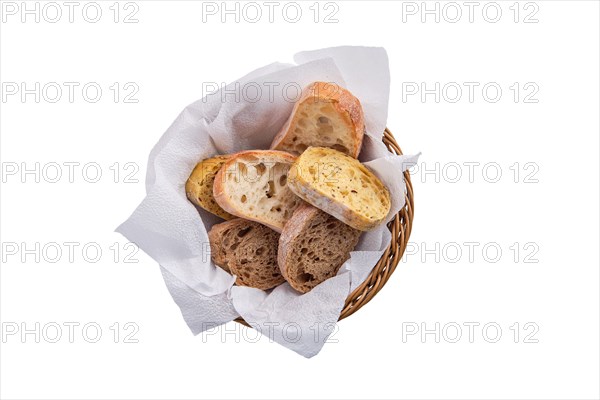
(199, 186)
(344, 102)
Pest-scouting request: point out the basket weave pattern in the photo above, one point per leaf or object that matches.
(400, 227)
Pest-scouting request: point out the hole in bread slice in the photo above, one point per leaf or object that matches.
(304, 277)
(271, 189)
(244, 232)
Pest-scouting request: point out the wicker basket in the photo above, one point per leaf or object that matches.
(400, 227)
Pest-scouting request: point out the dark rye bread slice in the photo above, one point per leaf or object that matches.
(247, 250)
(313, 246)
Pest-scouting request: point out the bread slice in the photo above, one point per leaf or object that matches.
(247, 250)
(253, 185)
(199, 186)
(326, 115)
(313, 246)
(341, 186)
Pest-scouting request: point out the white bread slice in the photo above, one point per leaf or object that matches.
(341, 186)
(247, 250)
(326, 115)
(199, 186)
(253, 185)
(313, 246)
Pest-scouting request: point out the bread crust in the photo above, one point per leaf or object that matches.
(217, 252)
(219, 189)
(291, 242)
(342, 100)
(338, 210)
(196, 186)
(291, 230)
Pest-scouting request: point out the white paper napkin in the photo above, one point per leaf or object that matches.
(174, 232)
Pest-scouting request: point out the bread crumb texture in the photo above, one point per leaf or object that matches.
(199, 186)
(254, 186)
(317, 250)
(247, 250)
(341, 186)
(326, 115)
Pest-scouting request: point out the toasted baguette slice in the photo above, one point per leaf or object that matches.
(326, 115)
(313, 246)
(247, 250)
(341, 186)
(253, 185)
(199, 186)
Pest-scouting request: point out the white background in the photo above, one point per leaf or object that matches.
(168, 54)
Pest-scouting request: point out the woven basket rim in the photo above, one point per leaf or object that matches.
(400, 227)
